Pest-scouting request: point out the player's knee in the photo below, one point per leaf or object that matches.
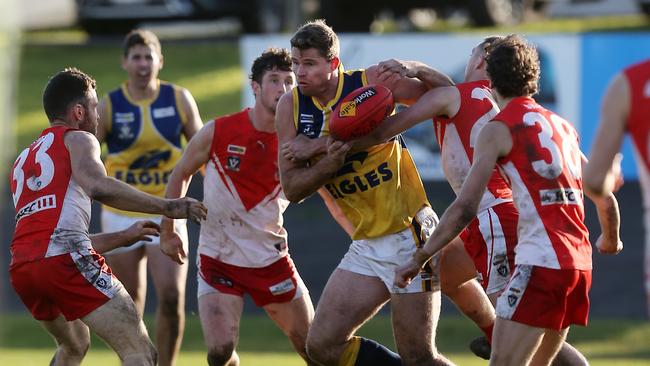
(76, 349)
(221, 355)
(169, 304)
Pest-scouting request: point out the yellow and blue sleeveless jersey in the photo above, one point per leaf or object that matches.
(144, 139)
(379, 190)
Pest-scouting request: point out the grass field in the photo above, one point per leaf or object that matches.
(262, 344)
(210, 70)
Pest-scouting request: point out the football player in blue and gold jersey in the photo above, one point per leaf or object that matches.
(378, 197)
(142, 123)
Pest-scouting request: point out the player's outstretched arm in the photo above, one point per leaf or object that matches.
(196, 154)
(299, 180)
(89, 172)
(431, 77)
(493, 142)
(142, 230)
(444, 101)
(599, 179)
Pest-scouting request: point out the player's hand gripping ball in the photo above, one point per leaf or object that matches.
(360, 112)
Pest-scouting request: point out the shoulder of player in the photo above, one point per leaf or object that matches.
(80, 138)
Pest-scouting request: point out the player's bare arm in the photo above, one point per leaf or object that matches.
(89, 172)
(196, 154)
(191, 111)
(493, 142)
(298, 179)
(431, 77)
(302, 148)
(140, 231)
(609, 217)
(443, 101)
(599, 179)
(405, 90)
(336, 211)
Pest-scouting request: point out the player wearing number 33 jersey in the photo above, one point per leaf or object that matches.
(52, 219)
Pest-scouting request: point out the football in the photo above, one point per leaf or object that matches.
(360, 112)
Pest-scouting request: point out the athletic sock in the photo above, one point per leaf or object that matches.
(366, 352)
(488, 331)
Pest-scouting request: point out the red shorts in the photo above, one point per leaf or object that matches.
(546, 298)
(490, 240)
(74, 284)
(278, 282)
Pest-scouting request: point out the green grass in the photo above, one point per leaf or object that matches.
(604, 342)
(210, 71)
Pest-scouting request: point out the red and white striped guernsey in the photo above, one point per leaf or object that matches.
(243, 194)
(545, 172)
(457, 136)
(52, 210)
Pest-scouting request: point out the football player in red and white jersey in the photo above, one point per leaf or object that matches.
(625, 108)
(459, 113)
(539, 154)
(54, 269)
(243, 245)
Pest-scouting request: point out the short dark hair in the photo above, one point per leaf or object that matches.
(141, 37)
(270, 59)
(316, 34)
(488, 43)
(513, 67)
(65, 88)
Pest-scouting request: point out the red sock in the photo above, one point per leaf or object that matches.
(488, 331)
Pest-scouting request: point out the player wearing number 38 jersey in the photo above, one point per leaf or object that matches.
(539, 153)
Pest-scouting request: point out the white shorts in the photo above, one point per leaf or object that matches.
(112, 222)
(379, 257)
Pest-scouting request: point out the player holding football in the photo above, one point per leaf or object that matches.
(243, 245)
(386, 221)
(459, 113)
(539, 153)
(54, 269)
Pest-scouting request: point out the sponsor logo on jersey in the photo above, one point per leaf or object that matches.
(348, 109)
(236, 149)
(164, 112)
(560, 196)
(124, 117)
(233, 163)
(306, 118)
(37, 205)
(282, 287)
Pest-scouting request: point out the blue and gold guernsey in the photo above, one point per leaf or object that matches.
(144, 139)
(379, 189)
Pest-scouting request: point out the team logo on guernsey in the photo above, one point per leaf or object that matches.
(121, 117)
(151, 159)
(39, 204)
(236, 149)
(233, 163)
(163, 112)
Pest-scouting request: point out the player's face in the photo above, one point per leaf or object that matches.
(142, 64)
(475, 60)
(274, 84)
(89, 121)
(313, 71)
